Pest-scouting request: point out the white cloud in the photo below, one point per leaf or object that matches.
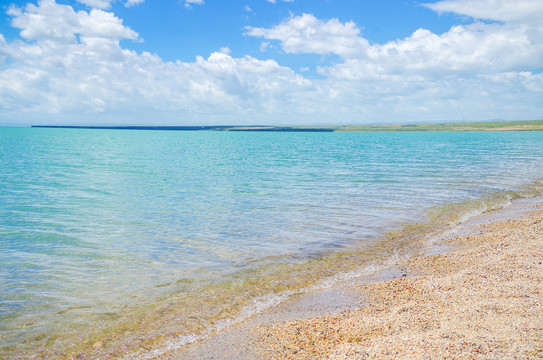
(100, 4)
(478, 69)
(307, 34)
(275, 1)
(75, 67)
(264, 46)
(189, 3)
(498, 10)
(472, 48)
(476, 48)
(129, 3)
(60, 23)
(225, 50)
(106, 4)
(70, 67)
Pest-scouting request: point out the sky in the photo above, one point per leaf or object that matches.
(269, 62)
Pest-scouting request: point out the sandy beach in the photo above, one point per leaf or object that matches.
(481, 299)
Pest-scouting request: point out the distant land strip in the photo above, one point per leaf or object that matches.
(521, 125)
(194, 128)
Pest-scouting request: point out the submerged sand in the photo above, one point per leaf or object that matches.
(482, 299)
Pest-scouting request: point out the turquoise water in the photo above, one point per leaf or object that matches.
(96, 225)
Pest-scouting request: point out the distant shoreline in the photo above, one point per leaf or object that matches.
(193, 128)
(528, 125)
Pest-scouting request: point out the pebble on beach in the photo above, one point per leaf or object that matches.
(482, 300)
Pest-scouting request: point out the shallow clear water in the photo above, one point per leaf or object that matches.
(96, 223)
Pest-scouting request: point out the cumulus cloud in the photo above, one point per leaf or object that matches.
(476, 48)
(307, 34)
(69, 66)
(473, 48)
(71, 63)
(51, 21)
(482, 69)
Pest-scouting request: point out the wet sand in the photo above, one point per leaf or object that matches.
(476, 294)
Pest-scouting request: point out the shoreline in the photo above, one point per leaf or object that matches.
(393, 312)
(155, 278)
(505, 125)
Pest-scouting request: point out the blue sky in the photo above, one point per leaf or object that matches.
(176, 32)
(319, 62)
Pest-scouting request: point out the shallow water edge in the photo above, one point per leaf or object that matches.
(175, 322)
(343, 297)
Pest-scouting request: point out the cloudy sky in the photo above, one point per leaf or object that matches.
(283, 62)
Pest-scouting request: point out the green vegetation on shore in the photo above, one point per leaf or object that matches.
(525, 125)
